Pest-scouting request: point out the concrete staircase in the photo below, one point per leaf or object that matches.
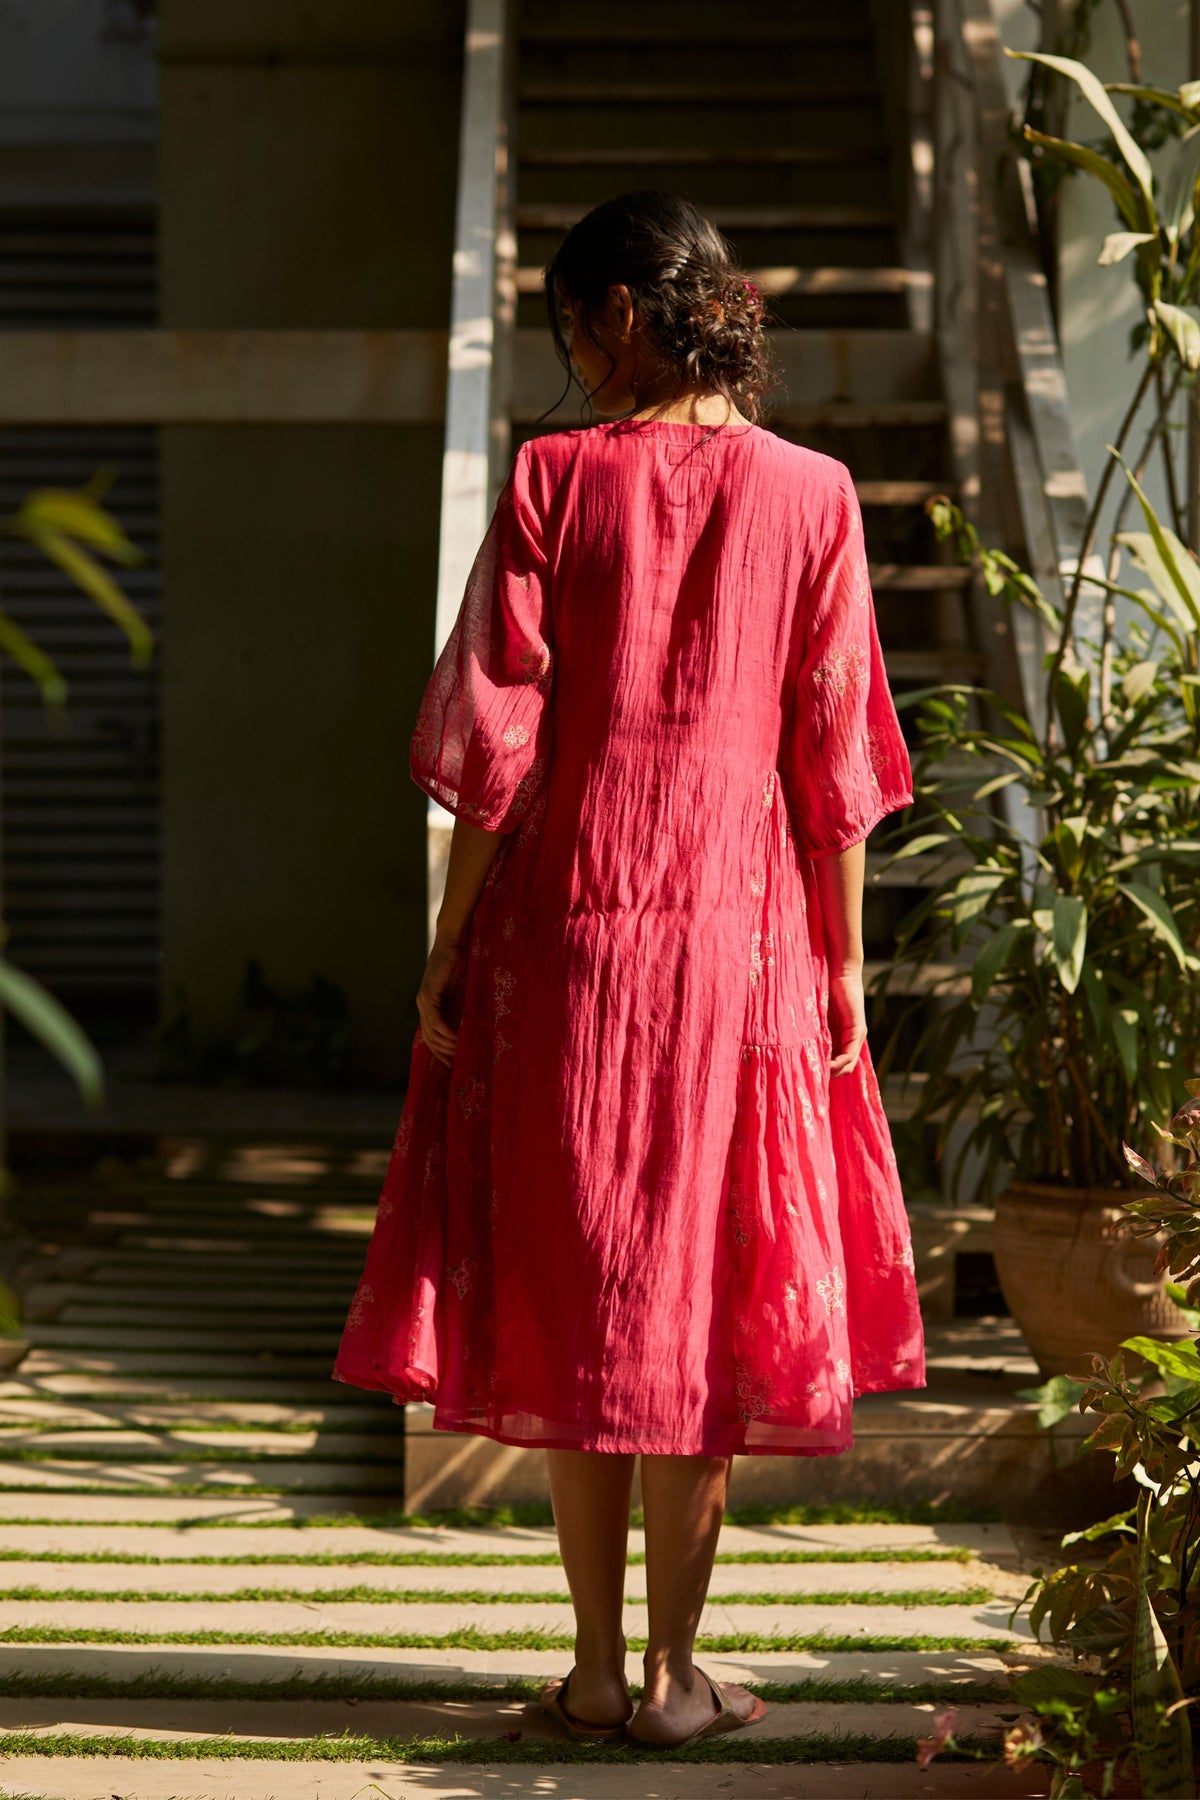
(780, 123)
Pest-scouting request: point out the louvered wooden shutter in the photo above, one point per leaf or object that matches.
(81, 811)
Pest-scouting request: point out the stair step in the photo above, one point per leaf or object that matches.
(550, 217)
(483, 1719)
(692, 93)
(605, 156)
(623, 22)
(902, 493)
(782, 1582)
(878, 370)
(105, 1529)
(268, 1778)
(448, 1620)
(934, 665)
(886, 415)
(938, 978)
(917, 577)
(789, 281)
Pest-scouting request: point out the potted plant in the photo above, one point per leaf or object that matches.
(1076, 911)
(1116, 1719)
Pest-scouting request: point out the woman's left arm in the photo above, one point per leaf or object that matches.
(471, 853)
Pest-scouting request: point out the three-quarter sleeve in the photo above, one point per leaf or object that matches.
(482, 735)
(843, 759)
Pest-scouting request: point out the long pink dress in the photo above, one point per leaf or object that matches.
(636, 1214)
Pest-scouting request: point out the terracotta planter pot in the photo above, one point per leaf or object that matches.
(1074, 1279)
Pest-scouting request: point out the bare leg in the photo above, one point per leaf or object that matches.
(683, 1498)
(590, 1492)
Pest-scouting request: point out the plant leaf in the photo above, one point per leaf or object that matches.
(1093, 90)
(1179, 194)
(1184, 330)
(1164, 1739)
(1182, 1359)
(1080, 157)
(54, 1027)
(1118, 244)
(1179, 566)
(99, 586)
(1139, 681)
(1158, 915)
(64, 512)
(1069, 939)
(992, 958)
(1139, 1165)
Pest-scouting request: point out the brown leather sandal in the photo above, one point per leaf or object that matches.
(726, 1718)
(552, 1703)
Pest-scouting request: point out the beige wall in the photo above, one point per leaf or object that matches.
(307, 179)
(1099, 306)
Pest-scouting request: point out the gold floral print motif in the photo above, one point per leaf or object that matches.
(403, 1136)
(768, 793)
(524, 790)
(385, 1209)
(364, 1294)
(843, 668)
(509, 926)
(758, 883)
(741, 1208)
(814, 1387)
(906, 1259)
(503, 983)
(806, 1109)
(462, 1277)
(842, 1370)
(753, 1393)
(832, 1290)
(471, 1096)
(536, 663)
(515, 736)
(762, 952)
(822, 1192)
(790, 1291)
(531, 821)
(434, 1158)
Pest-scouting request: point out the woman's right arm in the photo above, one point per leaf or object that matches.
(840, 879)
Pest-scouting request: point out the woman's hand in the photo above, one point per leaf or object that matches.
(445, 961)
(847, 1018)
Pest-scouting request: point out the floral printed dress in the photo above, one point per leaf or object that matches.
(636, 1214)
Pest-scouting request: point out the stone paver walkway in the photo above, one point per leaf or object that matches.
(201, 1550)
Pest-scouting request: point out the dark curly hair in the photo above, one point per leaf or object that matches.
(703, 321)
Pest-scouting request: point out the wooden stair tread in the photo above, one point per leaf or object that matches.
(560, 216)
(786, 281)
(605, 156)
(658, 93)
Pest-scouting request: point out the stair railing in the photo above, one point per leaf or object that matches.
(483, 302)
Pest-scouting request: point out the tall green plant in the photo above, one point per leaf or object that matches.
(74, 531)
(1065, 857)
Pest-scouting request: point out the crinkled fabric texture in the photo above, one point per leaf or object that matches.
(636, 1214)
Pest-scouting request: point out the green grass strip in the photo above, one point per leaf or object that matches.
(826, 1747)
(376, 1596)
(736, 1643)
(464, 1559)
(64, 1684)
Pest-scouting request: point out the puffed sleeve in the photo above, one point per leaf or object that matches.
(482, 734)
(843, 759)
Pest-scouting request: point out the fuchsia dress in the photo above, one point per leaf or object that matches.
(636, 1214)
